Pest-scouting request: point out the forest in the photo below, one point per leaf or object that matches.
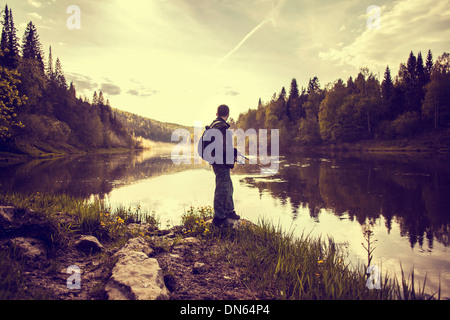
(148, 128)
(40, 113)
(414, 102)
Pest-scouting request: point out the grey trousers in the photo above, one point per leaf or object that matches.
(223, 194)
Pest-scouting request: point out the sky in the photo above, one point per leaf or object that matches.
(177, 60)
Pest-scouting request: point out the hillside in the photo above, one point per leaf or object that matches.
(147, 128)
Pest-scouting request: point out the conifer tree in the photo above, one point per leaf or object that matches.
(5, 35)
(9, 44)
(101, 99)
(421, 81)
(387, 91)
(50, 73)
(95, 99)
(60, 79)
(293, 104)
(72, 90)
(31, 46)
(429, 66)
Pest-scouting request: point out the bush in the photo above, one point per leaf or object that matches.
(309, 133)
(406, 125)
(44, 128)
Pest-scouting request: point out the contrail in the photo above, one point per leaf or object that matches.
(272, 18)
(242, 41)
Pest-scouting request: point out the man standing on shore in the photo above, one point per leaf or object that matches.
(223, 194)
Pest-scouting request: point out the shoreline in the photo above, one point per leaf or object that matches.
(12, 158)
(194, 260)
(433, 142)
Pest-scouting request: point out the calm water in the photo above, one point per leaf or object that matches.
(405, 198)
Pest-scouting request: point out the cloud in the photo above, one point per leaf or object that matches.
(406, 26)
(110, 89)
(35, 15)
(81, 82)
(35, 3)
(142, 93)
(232, 93)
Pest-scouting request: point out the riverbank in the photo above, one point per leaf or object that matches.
(430, 142)
(40, 239)
(8, 157)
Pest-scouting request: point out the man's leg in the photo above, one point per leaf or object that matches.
(222, 192)
(229, 208)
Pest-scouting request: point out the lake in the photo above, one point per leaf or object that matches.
(404, 198)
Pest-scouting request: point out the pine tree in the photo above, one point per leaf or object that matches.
(101, 99)
(50, 73)
(293, 107)
(31, 46)
(72, 90)
(5, 33)
(95, 99)
(282, 95)
(411, 84)
(60, 79)
(421, 81)
(351, 86)
(387, 90)
(9, 44)
(429, 66)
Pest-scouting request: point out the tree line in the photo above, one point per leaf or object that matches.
(39, 110)
(417, 100)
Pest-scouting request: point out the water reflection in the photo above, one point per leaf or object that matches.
(404, 197)
(410, 190)
(85, 176)
(413, 191)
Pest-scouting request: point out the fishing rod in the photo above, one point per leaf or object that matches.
(250, 161)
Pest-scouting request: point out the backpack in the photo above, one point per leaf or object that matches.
(203, 143)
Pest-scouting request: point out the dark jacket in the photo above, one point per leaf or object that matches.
(223, 126)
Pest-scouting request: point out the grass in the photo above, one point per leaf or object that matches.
(279, 265)
(60, 218)
(79, 215)
(276, 264)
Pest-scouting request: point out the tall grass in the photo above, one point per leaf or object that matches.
(69, 214)
(285, 266)
(281, 265)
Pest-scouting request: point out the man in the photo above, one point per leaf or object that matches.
(223, 194)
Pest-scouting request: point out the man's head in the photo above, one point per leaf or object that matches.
(223, 112)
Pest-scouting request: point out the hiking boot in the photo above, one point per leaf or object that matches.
(233, 216)
(222, 223)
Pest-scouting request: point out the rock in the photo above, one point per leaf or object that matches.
(136, 276)
(136, 244)
(198, 268)
(140, 227)
(6, 215)
(190, 241)
(88, 244)
(30, 248)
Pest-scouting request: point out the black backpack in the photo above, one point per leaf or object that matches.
(203, 143)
